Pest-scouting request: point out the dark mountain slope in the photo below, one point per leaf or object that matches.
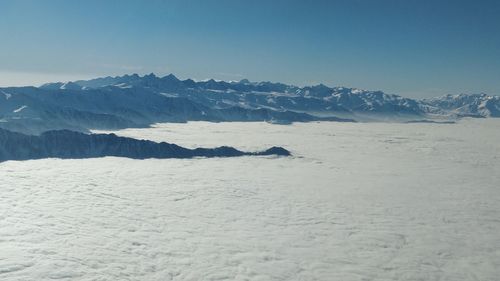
(73, 145)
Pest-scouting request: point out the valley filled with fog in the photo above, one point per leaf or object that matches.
(355, 201)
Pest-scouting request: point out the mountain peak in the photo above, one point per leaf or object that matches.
(170, 77)
(134, 75)
(150, 75)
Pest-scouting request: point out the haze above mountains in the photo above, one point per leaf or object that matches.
(139, 101)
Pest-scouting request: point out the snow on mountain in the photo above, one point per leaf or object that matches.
(20, 109)
(277, 96)
(62, 86)
(474, 105)
(7, 95)
(133, 100)
(112, 107)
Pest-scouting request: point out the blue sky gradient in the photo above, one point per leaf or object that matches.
(413, 48)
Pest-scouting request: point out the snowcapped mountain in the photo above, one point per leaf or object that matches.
(132, 102)
(138, 101)
(256, 95)
(474, 105)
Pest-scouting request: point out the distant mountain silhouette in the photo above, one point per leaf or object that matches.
(74, 145)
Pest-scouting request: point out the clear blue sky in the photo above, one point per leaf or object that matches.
(413, 48)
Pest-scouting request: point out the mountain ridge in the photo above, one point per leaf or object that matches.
(138, 101)
(328, 99)
(67, 144)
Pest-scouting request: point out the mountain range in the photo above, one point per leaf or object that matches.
(139, 101)
(66, 144)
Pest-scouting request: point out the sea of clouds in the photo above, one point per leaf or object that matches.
(357, 201)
